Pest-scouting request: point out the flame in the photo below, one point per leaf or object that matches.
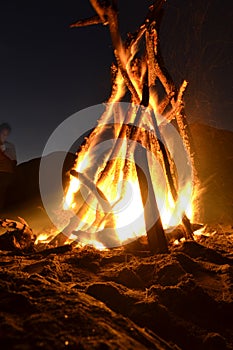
(128, 209)
(124, 197)
(69, 199)
(46, 236)
(121, 187)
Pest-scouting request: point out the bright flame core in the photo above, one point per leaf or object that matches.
(122, 191)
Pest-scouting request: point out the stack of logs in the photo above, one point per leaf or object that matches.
(146, 71)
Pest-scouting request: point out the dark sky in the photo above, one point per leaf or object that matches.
(48, 71)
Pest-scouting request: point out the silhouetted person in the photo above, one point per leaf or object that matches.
(7, 162)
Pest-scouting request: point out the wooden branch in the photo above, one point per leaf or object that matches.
(115, 151)
(135, 130)
(118, 86)
(128, 82)
(62, 237)
(86, 22)
(100, 10)
(154, 229)
(176, 99)
(170, 176)
(165, 159)
(151, 62)
(164, 104)
(109, 15)
(181, 92)
(95, 190)
(61, 249)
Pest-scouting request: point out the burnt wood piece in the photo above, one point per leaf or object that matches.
(156, 237)
(17, 241)
(57, 250)
(154, 228)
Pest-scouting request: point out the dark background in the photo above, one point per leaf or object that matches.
(48, 71)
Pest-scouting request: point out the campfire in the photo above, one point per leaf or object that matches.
(126, 181)
(99, 276)
(135, 173)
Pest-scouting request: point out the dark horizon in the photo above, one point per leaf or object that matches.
(49, 71)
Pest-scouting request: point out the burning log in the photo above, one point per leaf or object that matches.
(155, 233)
(154, 229)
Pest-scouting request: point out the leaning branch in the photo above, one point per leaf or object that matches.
(86, 22)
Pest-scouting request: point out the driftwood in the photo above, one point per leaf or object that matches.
(18, 238)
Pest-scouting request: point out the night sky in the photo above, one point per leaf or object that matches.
(49, 71)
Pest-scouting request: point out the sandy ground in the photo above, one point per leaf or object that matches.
(126, 298)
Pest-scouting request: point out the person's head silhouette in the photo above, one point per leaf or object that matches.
(5, 130)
